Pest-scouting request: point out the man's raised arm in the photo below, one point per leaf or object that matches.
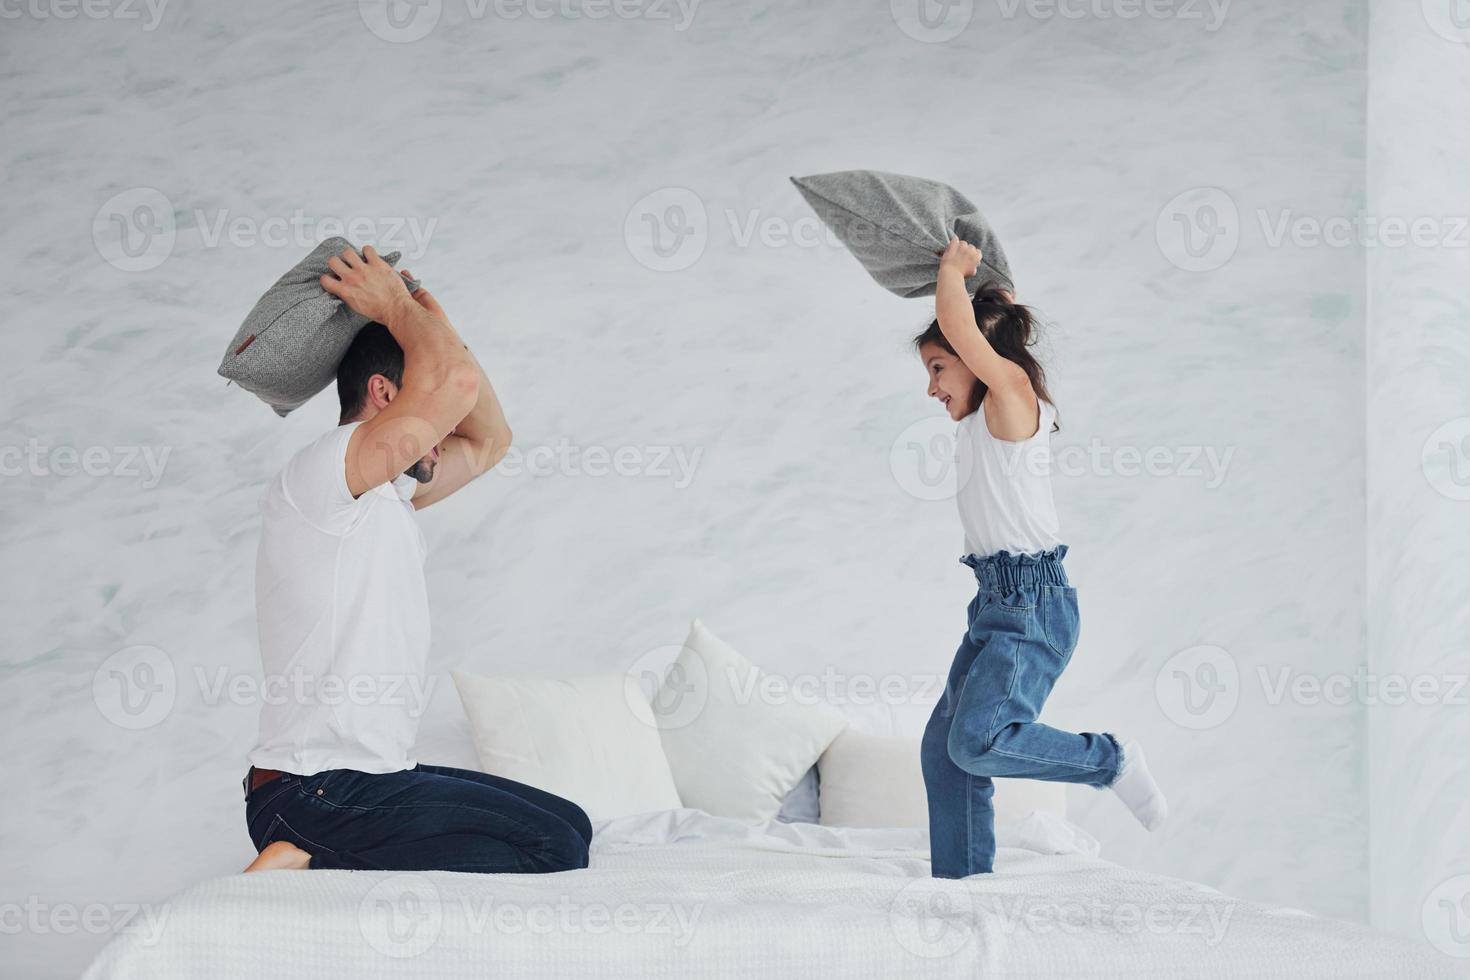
(440, 378)
(478, 442)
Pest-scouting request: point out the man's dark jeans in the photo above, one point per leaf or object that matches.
(429, 818)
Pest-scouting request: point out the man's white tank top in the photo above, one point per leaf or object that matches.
(1004, 495)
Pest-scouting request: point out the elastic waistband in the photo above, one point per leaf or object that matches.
(1004, 571)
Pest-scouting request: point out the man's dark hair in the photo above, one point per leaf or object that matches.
(373, 351)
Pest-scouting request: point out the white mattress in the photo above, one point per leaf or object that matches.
(682, 894)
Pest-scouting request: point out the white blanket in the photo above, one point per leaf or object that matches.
(682, 894)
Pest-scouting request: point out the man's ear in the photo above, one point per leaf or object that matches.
(380, 391)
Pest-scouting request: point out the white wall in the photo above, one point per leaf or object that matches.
(1418, 396)
(529, 143)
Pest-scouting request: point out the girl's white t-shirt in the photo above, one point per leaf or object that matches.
(1004, 488)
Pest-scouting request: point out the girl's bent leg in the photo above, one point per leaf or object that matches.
(1024, 651)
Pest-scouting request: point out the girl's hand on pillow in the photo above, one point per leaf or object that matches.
(960, 256)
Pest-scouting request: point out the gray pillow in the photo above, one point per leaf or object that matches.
(896, 226)
(801, 804)
(289, 346)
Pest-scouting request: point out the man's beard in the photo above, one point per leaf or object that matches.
(422, 471)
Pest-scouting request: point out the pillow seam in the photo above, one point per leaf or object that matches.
(260, 334)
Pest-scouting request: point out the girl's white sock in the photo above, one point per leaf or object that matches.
(1135, 786)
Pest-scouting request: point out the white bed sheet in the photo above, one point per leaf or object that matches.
(683, 894)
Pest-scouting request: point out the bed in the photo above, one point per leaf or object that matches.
(683, 894)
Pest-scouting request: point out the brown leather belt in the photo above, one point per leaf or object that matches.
(259, 777)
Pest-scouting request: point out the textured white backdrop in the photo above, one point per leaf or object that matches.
(1418, 396)
(528, 149)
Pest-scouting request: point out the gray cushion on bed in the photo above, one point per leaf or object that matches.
(896, 226)
(289, 346)
(802, 804)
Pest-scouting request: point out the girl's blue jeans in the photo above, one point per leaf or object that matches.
(1023, 627)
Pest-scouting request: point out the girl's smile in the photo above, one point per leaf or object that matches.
(950, 381)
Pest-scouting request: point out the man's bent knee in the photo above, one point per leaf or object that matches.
(565, 850)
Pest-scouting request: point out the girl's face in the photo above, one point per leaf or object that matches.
(949, 380)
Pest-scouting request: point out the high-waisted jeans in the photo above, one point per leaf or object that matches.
(428, 818)
(1023, 628)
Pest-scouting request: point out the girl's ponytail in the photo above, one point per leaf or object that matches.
(1012, 330)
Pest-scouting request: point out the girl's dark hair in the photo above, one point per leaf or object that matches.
(1012, 330)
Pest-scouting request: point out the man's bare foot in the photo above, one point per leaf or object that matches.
(281, 855)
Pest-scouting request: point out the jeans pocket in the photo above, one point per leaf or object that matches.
(279, 829)
(321, 786)
(1060, 624)
(1023, 598)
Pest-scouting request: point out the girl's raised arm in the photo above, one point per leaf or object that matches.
(1011, 410)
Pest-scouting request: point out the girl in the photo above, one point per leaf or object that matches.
(1023, 620)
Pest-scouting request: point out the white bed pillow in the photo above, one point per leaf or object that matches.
(734, 750)
(591, 739)
(876, 781)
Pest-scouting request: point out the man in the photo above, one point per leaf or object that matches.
(344, 616)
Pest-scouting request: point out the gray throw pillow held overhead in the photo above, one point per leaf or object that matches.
(896, 226)
(289, 346)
